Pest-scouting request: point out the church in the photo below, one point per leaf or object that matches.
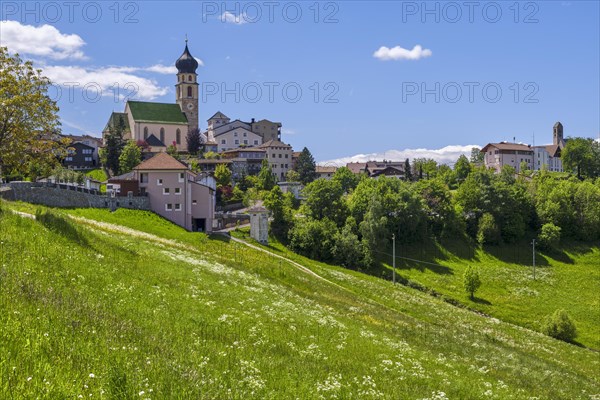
(159, 125)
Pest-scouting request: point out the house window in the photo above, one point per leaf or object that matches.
(194, 202)
(177, 190)
(88, 159)
(286, 156)
(165, 191)
(190, 78)
(223, 141)
(189, 91)
(279, 155)
(237, 141)
(255, 142)
(68, 158)
(245, 134)
(181, 176)
(159, 182)
(177, 207)
(178, 136)
(168, 207)
(245, 141)
(234, 134)
(144, 178)
(145, 132)
(162, 135)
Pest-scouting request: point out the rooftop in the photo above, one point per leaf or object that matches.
(143, 111)
(161, 161)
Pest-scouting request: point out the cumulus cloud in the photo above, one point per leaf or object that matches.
(105, 81)
(231, 18)
(399, 53)
(42, 41)
(445, 155)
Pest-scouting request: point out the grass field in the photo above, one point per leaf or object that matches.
(94, 309)
(567, 278)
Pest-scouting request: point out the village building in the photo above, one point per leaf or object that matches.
(325, 172)
(163, 124)
(535, 157)
(176, 193)
(224, 134)
(279, 155)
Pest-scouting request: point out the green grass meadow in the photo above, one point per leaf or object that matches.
(127, 305)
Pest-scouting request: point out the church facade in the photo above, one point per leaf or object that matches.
(160, 125)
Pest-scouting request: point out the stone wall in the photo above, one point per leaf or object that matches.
(53, 195)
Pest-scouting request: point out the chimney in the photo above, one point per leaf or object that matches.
(253, 120)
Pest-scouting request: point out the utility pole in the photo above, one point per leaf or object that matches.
(533, 243)
(394, 258)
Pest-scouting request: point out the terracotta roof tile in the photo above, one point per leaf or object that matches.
(161, 161)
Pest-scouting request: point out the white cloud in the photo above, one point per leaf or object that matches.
(162, 69)
(399, 53)
(231, 18)
(42, 41)
(105, 80)
(445, 155)
(289, 132)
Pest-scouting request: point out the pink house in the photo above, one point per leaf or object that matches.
(176, 193)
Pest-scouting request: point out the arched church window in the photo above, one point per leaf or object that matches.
(145, 133)
(178, 136)
(189, 91)
(190, 78)
(162, 135)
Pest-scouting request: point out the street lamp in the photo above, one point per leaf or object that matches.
(394, 258)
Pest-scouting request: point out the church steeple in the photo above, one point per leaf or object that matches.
(187, 86)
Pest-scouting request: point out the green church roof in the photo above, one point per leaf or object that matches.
(143, 111)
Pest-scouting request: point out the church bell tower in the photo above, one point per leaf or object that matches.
(187, 87)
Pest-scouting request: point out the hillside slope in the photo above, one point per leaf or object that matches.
(94, 309)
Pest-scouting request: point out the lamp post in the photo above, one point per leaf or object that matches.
(394, 258)
(533, 244)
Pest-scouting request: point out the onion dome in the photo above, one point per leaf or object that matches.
(186, 64)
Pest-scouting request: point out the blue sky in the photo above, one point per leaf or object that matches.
(543, 56)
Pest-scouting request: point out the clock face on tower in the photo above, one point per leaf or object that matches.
(190, 106)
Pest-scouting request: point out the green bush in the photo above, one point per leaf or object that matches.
(560, 326)
(549, 236)
(471, 281)
(488, 231)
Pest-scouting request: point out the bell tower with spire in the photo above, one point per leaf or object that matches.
(187, 86)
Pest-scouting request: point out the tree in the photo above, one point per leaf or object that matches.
(347, 249)
(223, 175)
(560, 326)
(477, 157)
(211, 155)
(292, 176)
(172, 151)
(374, 230)
(549, 236)
(306, 167)
(462, 168)
(130, 157)
(29, 123)
(427, 166)
(407, 171)
(348, 181)
(194, 141)
(114, 143)
(324, 199)
(282, 215)
(266, 179)
(471, 281)
(578, 154)
(313, 238)
(488, 232)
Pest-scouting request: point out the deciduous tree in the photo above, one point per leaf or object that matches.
(29, 124)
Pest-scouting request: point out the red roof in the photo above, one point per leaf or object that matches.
(161, 161)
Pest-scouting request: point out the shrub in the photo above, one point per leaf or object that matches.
(488, 232)
(549, 236)
(471, 281)
(560, 326)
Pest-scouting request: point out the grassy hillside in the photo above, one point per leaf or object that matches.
(92, 308)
